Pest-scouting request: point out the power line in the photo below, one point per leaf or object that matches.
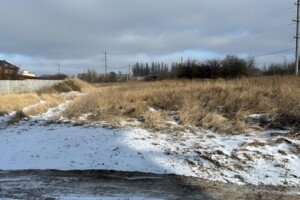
(258, 35)
(267, 31)
(277, 29)
(263, 18)
(119, 67)
(272, 53)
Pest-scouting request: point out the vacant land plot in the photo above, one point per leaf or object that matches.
(66, 130)
(232, 106)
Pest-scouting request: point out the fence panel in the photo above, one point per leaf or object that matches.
(14, 86)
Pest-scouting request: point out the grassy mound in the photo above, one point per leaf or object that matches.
(62, 87)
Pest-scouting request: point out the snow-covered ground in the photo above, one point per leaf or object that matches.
(257, 158)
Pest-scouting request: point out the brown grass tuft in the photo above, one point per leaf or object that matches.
(13, 102)
(214, 121)
(47, 101)
(84, 86)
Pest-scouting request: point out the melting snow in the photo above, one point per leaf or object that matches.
(256, 158)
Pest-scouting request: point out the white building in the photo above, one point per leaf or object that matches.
(27, 73)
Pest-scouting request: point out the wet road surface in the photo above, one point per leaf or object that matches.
(52, 185)
(92, 185)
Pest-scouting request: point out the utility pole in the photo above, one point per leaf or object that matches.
(297, 39)
(105, 62)
(129, 69)
(58, 69)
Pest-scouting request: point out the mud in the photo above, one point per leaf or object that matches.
(55, 185)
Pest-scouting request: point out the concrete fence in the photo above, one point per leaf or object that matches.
(11, 86)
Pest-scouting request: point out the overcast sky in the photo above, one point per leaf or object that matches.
(39, 35)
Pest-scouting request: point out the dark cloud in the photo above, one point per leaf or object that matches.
(77, 32)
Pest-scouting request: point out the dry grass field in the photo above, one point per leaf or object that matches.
(220, 105)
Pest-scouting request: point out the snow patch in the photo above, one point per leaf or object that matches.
(257, 158)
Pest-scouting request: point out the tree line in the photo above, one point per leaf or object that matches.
(144, 69)
(230, 67)
(92, 76)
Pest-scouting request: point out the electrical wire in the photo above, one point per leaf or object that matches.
(256, 36)
(272, 53)
(116, 68)
(263, 18)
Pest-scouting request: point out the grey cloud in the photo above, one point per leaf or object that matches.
(78, 31)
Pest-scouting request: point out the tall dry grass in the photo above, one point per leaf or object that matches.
(46, 101)
(51, 97)
(84, 86)
(215, 104)
(13, 102)
(43, 99)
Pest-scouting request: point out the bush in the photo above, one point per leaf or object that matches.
(229, 67)
(233, 67)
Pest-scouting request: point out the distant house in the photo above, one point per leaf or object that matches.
(27, 73)
(8, 71)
